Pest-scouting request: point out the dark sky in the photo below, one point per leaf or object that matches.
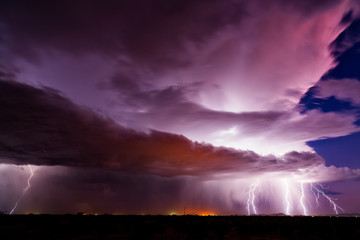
(226, 107)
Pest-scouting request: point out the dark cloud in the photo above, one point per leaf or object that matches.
(41, 127)
(149, 31)
(155, 33)
(308, 7)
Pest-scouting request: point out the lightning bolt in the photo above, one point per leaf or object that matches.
(287, 202)
(331, 200)
(25, 190)
(251, 198)
(302, 199)
(316, 195)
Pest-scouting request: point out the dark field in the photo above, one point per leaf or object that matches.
(176, 227)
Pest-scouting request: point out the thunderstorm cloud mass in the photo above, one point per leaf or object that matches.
(148, 107)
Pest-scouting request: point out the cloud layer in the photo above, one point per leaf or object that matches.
(41, 127)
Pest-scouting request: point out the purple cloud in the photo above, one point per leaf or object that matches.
(41, 127)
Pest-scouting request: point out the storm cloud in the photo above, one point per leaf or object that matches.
(41, 127)
(145, 102)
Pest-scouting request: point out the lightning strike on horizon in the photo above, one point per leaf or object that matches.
(331, 200)
(297, 194)
(252, 197)
(302, 199)
(24, 191)
(287, 202)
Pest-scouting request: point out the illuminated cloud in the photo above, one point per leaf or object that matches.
(40, 127)
(342, 89)
(268, 132)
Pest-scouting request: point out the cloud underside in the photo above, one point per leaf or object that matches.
(41, 127)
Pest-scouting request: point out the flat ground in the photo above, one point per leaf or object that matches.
(176, 227)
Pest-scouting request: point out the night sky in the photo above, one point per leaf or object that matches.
(146, 107)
